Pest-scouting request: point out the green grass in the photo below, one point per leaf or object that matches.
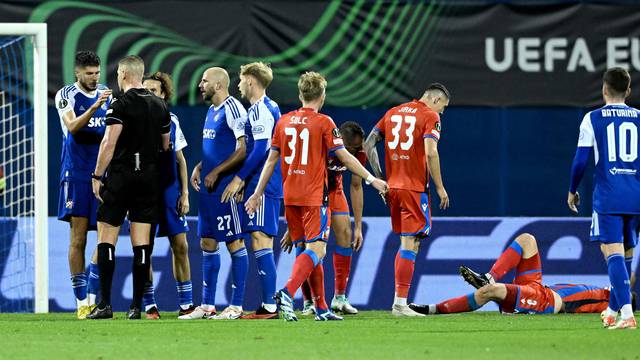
(371, 335)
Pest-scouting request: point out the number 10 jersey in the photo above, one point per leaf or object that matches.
(612, 131)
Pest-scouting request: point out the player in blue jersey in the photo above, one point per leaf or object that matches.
(173, 222)
(263, 225)
(223, 150)
(612, 132)
(82, 107)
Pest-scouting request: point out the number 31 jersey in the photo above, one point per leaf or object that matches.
(404, 129)
(304, 139)
(612, 131)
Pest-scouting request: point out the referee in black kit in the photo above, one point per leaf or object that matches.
(126, 179)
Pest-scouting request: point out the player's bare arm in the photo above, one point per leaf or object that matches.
(433, 161)
(183, 201)
(105, 154)
(232, 161)
(357, 203)
(254, 200)
(372, 152)
(357, 169)
(195, 176)
(74, 124)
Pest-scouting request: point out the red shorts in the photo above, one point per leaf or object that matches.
(308, 223)
(338, 202)
(410, 212)
(527, 295)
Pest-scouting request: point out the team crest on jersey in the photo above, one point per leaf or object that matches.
(104, 106)
(438, 126)
(62, 103)
(69, 204)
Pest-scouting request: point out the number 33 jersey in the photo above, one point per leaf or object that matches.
(404, 129)
(304, 139)
(612, 131)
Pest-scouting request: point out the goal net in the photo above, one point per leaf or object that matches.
(23, 168)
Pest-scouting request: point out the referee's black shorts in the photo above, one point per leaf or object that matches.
(134, 192)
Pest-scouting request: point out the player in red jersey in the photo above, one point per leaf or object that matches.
(353, 138)
(411, 132)
(526, 294)
(304, 138)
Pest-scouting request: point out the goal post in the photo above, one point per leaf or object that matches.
(36, 79)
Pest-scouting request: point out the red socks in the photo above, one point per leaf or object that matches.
(306, 290)
(457, 305)
(301, 270)
(508, 260)
(316, 283)
(342, 268)
(405, 263)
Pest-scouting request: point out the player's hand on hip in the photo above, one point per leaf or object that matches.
(380, 185)
(96, 185)
(195, 178)
(444, 198)
(183, 204)
(232, 189)
(285, 243)
(252, 203)
(210, 180)
(573, 200)
(357, 239)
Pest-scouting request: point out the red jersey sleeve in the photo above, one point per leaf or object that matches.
(275, 139)
(432, 126)
(331, 136)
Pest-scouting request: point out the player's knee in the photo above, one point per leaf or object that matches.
(180, 248)
(527, 242)
(208, 244)
(235, 245)
(490, 291)
(344, 237)
(78, 242)
(260, 240)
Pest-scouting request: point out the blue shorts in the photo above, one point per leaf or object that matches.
(171, 223)
(218, 221)
(77, 199)
(265, 219)
(611, 229)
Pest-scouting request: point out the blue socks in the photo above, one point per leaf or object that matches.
(94, 283)
(471, 301)
(185, 294)
(79, 284)
(239, 268)
(619, 281)
(210, 270)
(627, 264)
(149, 296)
(267, 274)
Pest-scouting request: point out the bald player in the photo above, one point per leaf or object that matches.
(223, 151)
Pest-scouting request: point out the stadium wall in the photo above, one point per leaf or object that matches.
(567, 256)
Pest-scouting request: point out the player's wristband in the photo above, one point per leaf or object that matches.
(97, 177)
(369, 179)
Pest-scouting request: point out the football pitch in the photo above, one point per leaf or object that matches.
(371, 334)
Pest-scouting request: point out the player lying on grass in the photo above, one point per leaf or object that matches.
(526, 294)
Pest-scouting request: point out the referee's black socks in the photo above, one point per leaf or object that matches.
(106, 266)
(141, 266)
